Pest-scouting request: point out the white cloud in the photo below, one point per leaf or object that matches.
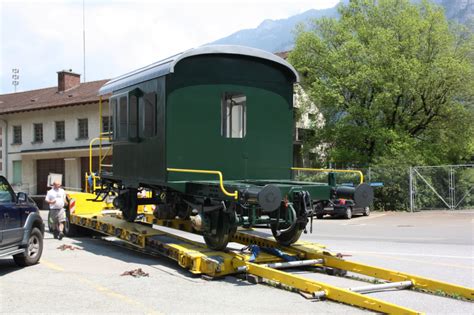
(42, 37)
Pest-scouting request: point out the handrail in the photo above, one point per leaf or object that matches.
(91, 187)
(90, 151)
(235, 194)
(100, 136)
(329, 170)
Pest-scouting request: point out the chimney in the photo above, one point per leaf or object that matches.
(67, 80)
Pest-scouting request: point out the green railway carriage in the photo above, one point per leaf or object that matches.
(183, 122)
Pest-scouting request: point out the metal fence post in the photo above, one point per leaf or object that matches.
(452, 188)
(411, 189)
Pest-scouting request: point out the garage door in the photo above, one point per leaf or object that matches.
(43, 168)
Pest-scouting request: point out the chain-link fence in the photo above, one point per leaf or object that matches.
(442, 187)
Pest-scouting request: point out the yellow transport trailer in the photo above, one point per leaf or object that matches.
(267, 266)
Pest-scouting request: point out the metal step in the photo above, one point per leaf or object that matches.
(11, 251)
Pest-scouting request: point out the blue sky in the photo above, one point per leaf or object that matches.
(42, 37)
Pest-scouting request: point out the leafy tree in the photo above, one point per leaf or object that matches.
(393, 81)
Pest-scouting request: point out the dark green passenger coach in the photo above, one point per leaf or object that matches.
(225, 109)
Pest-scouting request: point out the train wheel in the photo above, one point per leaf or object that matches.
(289, 236)
(222, 231)
(286, 234)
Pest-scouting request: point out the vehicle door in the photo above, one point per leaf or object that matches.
(2, 223)
(11, 215)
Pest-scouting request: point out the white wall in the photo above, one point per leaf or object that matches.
(70, 149)
(69, 115)
(3, 148)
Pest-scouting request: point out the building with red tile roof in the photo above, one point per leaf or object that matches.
(48, 131)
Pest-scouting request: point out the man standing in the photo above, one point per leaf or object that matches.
(56, 198)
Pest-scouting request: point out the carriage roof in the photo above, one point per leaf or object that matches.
(166, 66)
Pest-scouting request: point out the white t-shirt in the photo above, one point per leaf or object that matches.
(56, 194)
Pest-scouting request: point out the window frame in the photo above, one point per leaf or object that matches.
(136, 94)
(56, 138)
(226, 115)
(37, 133)
(119, 134)
(79, 136)
(9, 189)
(138, 124)
(17, 134)
(143, 132)
(107, 128)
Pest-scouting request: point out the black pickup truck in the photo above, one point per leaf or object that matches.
(21, 226)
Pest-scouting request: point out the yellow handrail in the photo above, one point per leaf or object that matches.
(90, 152)
(235, 194)
(100, 136)
(94, 187)
(329, 170)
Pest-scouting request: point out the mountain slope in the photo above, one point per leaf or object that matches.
(274, 36)
(278, 35)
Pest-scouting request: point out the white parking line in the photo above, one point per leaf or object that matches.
(364, 219)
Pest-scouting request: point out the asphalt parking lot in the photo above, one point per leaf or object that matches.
(435, 244)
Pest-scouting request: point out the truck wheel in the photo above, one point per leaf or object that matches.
(348, 213)
(70, 230)
(33, 250)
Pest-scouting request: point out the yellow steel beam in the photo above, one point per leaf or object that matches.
(329, 170)
(427, 284)
(308, 250)
(331, 292)
(235, 194)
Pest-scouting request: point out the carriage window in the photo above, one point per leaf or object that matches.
(234, 119)
(147, 115)
(122, 118)
(133, 117)
(113, 109)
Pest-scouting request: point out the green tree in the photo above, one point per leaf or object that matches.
(393, 82)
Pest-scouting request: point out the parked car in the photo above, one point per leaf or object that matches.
(341, 208)
(21, 226)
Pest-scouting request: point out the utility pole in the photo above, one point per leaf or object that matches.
(15, 77)
(84, 37)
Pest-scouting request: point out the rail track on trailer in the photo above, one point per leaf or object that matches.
(264, 260)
